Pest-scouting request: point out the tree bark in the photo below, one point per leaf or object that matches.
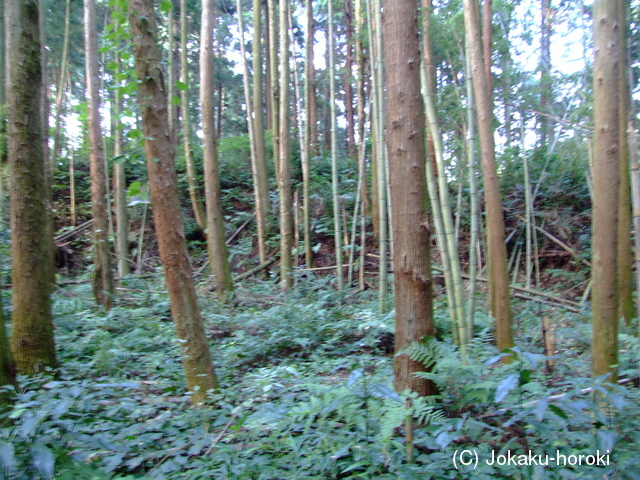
(196, 357)
(405, 142)
(497, 251)
(625, 254)
(546, 95)
(337, 223)
(348, 85)
(261, 186)
(284, 160)
(32, 340)
(103, 287)
(606, 182)
(196, 202)
(217, 247)
(309, 97)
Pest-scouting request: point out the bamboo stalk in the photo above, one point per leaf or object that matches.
(337, 224)
(378, 119)
(447, 237)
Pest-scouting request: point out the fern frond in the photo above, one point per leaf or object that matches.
(427, 352)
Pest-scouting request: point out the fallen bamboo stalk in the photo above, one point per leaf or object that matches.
(333, 267)
(240, 228)
(70, 233)
(530, 291)
(561, 244)
(255, 270)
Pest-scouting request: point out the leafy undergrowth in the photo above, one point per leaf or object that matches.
(307, 394)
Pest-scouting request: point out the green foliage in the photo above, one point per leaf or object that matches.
(306, 393)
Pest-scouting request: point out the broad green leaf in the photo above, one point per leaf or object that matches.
(43, 460)
(506, 386)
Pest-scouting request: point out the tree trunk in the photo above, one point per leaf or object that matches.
(284, 160)
(215, 219)
(274, 93)
(261, 186)
(308, 135)
(348, 85)
(103, 287)
(625, 275)
(32, 332)
(267, 59)
(120, 185)
(196, 357)
(487, 41)
(546, 95)
(497, 251)
(337, 223)
(171, 87)
(7, 366)
(606, 182)
(62, 83)
(405, 141)
(196, 202)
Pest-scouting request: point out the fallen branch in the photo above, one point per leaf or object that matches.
(255, 270)
(61, 237)
(240, 228)
(536, 293)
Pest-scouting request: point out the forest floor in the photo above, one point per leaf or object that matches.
(305, 392)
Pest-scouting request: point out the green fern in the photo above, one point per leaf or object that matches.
(427, 352)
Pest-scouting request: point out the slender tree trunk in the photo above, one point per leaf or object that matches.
(498, 276)
(474, 195)
(361, 98)
(625, 275)
(267, 59)
(103, 287)
(308, 129)
(348, 85)
(378, 119)
(314, 144)
(487, 41)
(217, 247)
(261, 185)
(32, 327)
(196, 202)
(171, 87)
(120, 185)
(284, 160)
(7, 364)
(72, 189)
(546, 95)
(606, 182)
(337, 224)
(196, 357)
(274, 93)
(48, 165)
(405, 141)
(62, 82)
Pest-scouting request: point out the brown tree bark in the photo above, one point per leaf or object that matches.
(32, 340)
(498, 276)
(103, 287)
(606, 182)
(487, 41)
(405, 143)
(196, 357)
(217, 247)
